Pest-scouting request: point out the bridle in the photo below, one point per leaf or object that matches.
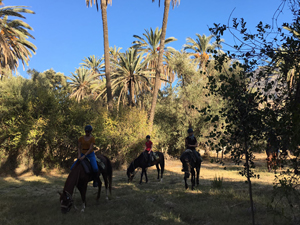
(69, 197)
(70, 203)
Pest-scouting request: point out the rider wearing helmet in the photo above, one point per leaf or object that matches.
(85, 150)
(191, 143)
(148, 149)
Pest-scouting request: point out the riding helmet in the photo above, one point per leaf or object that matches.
(190, 130)
(88, 128)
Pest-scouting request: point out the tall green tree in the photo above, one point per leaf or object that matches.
(14, 34)
(82, 83)
(131, 76)
(93, 63)
(149, 44)
(201, 47)
(103, 4)
(159, 68)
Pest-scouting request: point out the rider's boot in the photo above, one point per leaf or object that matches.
(96, 179)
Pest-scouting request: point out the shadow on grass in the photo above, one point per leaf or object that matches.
(36, 202)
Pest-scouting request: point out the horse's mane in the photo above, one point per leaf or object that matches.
(73, 174)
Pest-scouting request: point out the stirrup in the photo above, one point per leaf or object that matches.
(95, 183)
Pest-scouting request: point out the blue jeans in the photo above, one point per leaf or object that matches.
(92, 159)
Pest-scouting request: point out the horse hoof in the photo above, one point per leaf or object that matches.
(82, 210)
(161, 180)
(106, 198)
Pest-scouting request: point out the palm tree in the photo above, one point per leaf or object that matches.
(159, 68)
(104, 4)
(114, 52)
(201, 46)
(131, 76)
(14, 45)
(94, 64)
(82, 83)
(150, 46)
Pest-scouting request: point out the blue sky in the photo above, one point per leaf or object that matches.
(66, 31)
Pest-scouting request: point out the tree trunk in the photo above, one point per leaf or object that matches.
(131, 93)
(249, 180)
(106, 55)
(160, 62)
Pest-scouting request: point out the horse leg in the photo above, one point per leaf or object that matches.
(143, 169)
(198, 173)
(82, 189)
(185, 181)
(146, 176)
(106, 184)
(99, 189)
(157, 171)
(193, 178)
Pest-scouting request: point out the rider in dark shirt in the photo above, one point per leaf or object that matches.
(191, 143)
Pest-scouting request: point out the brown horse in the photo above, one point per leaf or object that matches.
(141, 161)
(79, 178)
(190, 164)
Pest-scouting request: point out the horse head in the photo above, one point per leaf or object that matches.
(130, 172)
(66, 201)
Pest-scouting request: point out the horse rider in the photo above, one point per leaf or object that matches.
(191, 143)
(148, 149)
(85, 150)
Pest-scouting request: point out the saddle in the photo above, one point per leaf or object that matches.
(191, 153)
(88, 167)
(154, 156)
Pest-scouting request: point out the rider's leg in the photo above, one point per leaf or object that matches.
(74, 164)
(149, 158)
(94, 165)
(197, 155)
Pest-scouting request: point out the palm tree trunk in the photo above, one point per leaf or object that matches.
(160, 62)
(131, 93)
(106, 55)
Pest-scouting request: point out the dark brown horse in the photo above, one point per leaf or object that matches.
(141, 161)
(79, 178)
(190, 163)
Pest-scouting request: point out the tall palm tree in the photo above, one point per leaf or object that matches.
(82, 82)
(104, 4)
(131, 76)
(201, 47)
(150, 46)
(93, 63)
(14, 45)
(114, 52)
(159, 68)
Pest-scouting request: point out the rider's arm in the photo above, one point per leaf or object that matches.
(196, 144)
(151, 147)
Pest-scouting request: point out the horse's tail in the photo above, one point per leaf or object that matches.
(109, 173)
(162, 163)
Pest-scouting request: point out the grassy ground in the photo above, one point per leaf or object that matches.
(34, 200)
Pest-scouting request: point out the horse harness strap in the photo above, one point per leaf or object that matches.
(70, 202)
